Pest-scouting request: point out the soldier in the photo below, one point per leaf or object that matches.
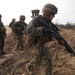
(41, 35)
(2, 36)
(18, 28)
(12, 22)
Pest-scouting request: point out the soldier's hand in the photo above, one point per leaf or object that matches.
(60, 42)
(46, 31)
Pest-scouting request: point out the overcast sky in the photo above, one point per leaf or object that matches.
(14, 8)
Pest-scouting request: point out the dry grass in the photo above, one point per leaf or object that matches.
(63, 62)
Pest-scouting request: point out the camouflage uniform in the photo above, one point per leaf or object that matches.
(2, 36)
(18, 28)
(35, 31)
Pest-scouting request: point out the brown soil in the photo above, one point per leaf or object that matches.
(15, 61)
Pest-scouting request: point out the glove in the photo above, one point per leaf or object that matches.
(46, 32)
(60, 42)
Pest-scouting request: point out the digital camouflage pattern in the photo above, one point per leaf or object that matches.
(18, 28)
(38, 35)
(37, 39)
(49, 8)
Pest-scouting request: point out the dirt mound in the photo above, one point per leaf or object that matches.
(14, 63)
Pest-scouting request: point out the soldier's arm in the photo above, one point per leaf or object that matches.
(33, 30)
(2, 29)
(14, 26)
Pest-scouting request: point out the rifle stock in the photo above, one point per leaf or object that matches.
(56, 34)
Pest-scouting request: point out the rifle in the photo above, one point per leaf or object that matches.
(55, 34)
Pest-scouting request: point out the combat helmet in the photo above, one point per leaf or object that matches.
(49, 8)
(22, 17)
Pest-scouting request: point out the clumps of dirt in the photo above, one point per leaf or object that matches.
(15, 61)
